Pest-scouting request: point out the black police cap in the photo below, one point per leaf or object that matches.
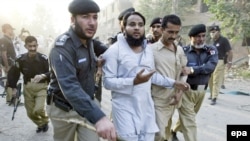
(197, 29)
(125, 12)
(155, 21)
(214, 27)
(83, 7)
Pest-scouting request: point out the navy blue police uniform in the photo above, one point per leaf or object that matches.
(34, 93)
(70, 60)
(203, 64)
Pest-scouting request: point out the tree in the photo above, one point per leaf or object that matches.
(234, 16)
(160, 8)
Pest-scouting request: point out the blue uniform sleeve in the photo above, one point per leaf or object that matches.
(209, 64)
(62, 64)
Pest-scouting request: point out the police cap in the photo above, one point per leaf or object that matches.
(83, 7)
(157, 20)
(214, 27)
(197, 29)
(124, 13)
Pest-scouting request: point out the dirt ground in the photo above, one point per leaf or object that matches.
(232, 108)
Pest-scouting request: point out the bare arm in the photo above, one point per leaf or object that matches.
(229, 59)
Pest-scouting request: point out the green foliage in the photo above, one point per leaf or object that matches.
(160, 8)
(245, 73)
(152, 9)
(234, 16)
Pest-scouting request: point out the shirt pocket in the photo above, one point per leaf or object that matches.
(82, 64)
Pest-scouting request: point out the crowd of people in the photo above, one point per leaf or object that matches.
(149, 77)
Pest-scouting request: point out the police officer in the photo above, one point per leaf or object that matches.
(155, 28)
(202, 60)
(7, 47)
(8, 54)
(35, 69)
(225, 55)
(73, 66)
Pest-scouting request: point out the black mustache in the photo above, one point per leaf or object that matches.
(171, 38)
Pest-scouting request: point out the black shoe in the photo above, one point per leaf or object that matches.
(223, 87)
(213, 102)
(39, 129)
(45, 127)
(174, 136)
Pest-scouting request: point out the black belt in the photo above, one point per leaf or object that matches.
(196, 87)
(62, 103)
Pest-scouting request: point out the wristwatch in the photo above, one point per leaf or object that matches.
(191, 70)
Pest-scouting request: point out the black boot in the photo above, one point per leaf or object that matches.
(213, 102)
(174, 136)
(45, 127)
(39, 129)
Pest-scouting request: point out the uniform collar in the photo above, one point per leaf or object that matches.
(26, 57)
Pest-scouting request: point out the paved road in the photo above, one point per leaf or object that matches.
(211, 120)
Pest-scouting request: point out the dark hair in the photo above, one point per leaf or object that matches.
(120, 17)
(83, 7)
(125, 18)
(173, 19)
(30, 39)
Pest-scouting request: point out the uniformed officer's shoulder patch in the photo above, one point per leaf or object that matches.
(211, 50)
(62, 40)
(44, 56)
(186, 48)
